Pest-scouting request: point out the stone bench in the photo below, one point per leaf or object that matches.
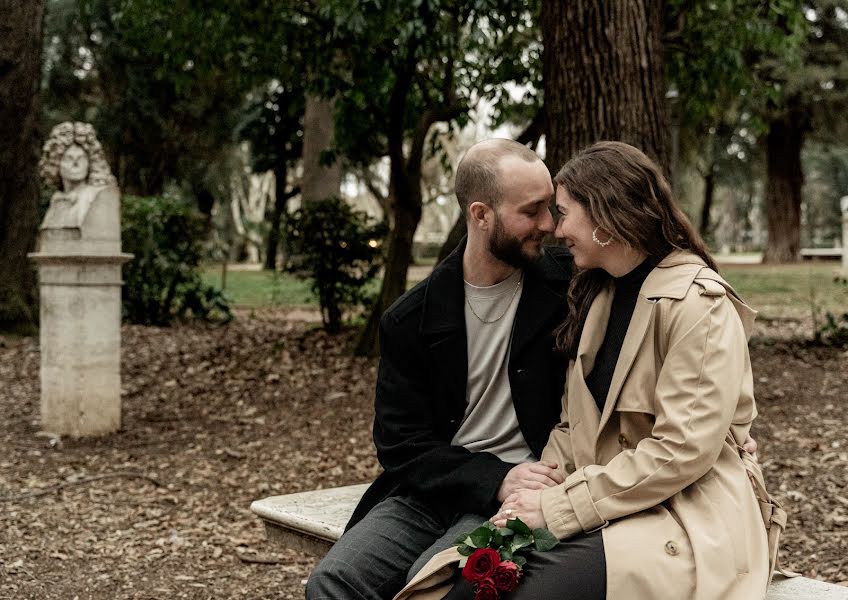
(821, 253)
(312, 522)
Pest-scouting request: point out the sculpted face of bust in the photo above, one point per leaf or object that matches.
(73, 168)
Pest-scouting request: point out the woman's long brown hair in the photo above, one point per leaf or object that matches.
(624, 192)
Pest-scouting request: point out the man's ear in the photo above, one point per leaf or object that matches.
(480, 215)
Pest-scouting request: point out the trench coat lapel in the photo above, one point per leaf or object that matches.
(643, 315)
(582, 407)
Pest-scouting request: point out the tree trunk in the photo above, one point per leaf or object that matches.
(406, 213)
(280, 201)
(707, 206)
(459, 229)
(20, 74)
(784, 142)
(319, 181)
(603, 77)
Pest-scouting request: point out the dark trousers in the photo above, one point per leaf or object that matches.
(378, 555)
(574, 569)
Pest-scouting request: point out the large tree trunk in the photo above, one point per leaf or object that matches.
(603, 77)
(20, 74)
(319, 181)
(784, 142)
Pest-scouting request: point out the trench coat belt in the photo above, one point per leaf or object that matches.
(581, 501)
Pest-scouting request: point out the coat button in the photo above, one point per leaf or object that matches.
(671, 549)
(623, 441)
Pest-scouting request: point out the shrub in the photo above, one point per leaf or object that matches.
(339, 250)
(834, 332)
(163, 281)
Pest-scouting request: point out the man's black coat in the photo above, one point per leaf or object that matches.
(421, 387)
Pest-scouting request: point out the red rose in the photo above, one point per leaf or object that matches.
(486, 590)
(481, 564)
(506, 576)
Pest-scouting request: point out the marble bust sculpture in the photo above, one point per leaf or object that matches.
(73, 162)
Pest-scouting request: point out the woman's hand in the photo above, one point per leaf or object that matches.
(525, 505)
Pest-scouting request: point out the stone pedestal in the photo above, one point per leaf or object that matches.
(79, 266)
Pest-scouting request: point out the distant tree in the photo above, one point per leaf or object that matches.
(20, 61)
(162, 82)
(809, 97)
(398, 68)
(273, 124)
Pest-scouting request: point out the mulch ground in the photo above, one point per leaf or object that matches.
(215, 417)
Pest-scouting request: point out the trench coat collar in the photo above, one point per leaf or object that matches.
(444, 298)
(671, 278)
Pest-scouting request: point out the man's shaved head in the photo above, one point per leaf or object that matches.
(478, 176)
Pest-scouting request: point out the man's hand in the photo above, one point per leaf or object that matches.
(525, 505)
(750, 446)
(529, 476)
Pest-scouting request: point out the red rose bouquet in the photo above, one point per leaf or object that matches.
(494, 557)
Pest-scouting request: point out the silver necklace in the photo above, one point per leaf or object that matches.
(506, 310)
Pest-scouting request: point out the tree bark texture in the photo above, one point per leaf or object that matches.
(319, 181)
(280, 200)
(603, 77)
(405, 199)
(785, 178)
(20, 73)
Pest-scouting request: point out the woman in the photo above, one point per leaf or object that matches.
(659, 399)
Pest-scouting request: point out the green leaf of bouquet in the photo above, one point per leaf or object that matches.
(544, 539)
(497, 540)
(481, 537)
(519, 560)
(506, 553)
(465, 549)
(519, 526)
(462, 562)
(490, 525)
(463, 539)
(521, 540)
(505, 531)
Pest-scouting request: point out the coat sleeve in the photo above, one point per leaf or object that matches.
(411, 443)
(705, 371)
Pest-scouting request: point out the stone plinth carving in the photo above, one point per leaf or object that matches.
(79, 262)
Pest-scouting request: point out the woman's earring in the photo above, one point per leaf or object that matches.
(599, 242)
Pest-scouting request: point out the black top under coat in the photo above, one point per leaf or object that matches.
(624, 302)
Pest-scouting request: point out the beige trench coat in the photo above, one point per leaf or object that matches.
(659, 470)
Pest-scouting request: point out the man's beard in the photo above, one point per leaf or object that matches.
(508, 249)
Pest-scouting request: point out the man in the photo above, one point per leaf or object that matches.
(469, 384)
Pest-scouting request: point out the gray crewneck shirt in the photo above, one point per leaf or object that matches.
(490, 423)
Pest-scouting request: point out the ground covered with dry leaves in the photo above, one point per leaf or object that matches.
(215, 417)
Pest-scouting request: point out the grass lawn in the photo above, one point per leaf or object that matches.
(779, 291)
(254, 289)
(789, 291)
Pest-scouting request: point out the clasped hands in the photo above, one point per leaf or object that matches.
(520, 492)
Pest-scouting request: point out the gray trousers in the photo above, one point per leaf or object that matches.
(376, 557)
